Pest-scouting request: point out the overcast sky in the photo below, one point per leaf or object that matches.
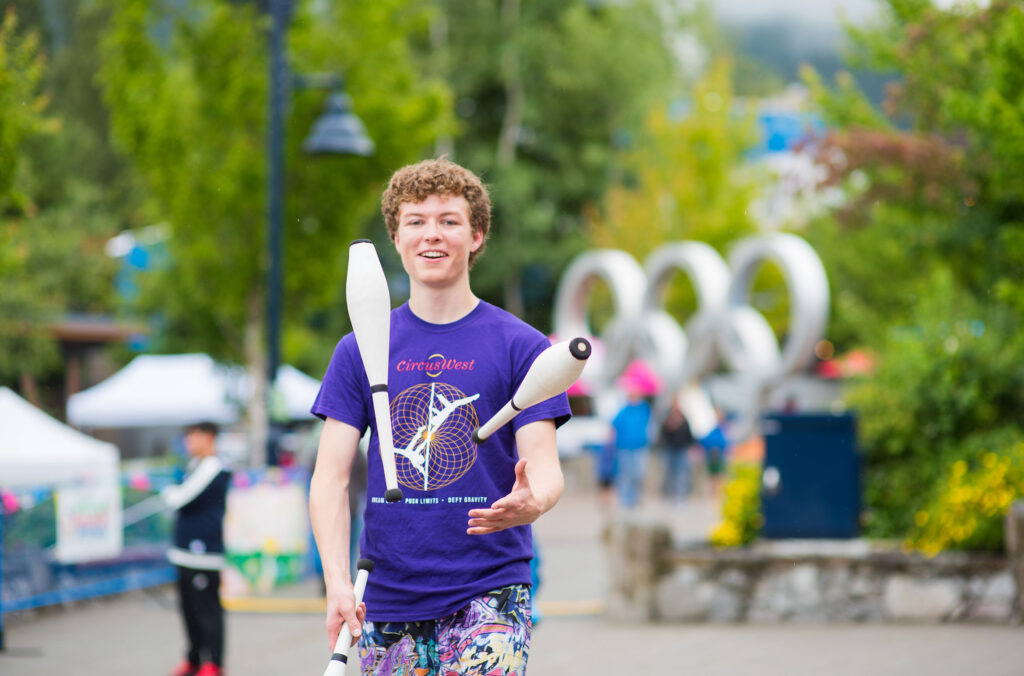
(818, 12)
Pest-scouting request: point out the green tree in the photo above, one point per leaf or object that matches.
(926, 255)
(78, 152)
(187, 90)
(23, 309)
(71, 193)
(687, 178)
(544, 93)
(23, 104)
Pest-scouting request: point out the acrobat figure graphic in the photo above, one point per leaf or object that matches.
(418, 450)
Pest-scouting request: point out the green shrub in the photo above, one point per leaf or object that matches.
(949, 387)
(741, 507)
(969, 510)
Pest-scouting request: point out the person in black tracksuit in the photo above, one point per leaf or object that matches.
(198, 551)
(675, 439)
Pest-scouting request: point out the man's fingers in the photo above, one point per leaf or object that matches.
(357, 628)
(482, 530)
(487, 523)
(487, 519)
(491, 513)
(353, 622)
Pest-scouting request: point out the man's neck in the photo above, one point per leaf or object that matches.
(441, 306)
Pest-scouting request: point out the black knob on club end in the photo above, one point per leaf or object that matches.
(476, 437)
(361, 241)
(580, 348)
(393, 495)
(365, 564)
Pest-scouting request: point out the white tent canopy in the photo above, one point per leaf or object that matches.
(157, 390)
(36, 449)
(175, 390)
(297, 390)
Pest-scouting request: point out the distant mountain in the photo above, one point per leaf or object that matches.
(783, 34)
(821, 14)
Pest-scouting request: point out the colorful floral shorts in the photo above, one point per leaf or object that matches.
(489, 637)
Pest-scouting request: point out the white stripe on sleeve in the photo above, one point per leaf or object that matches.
(195, 483)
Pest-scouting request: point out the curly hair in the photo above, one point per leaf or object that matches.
(417, 182)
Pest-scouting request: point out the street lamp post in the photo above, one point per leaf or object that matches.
(280, 14)
(338, 132)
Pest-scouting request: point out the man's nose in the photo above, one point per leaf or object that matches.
(433, 230)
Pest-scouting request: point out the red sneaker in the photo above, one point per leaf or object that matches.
(185, 668)
(210, 669)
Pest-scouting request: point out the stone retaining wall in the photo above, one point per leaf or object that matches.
(655, 579)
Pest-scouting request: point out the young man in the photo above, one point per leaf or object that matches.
(450, 589)
(198, 550)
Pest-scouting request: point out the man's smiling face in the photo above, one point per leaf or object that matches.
(434, 239)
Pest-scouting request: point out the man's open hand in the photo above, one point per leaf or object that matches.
(518, 508)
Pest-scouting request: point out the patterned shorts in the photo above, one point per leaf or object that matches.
(489, 637)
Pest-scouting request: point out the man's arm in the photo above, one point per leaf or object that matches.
(195, 483)
(538, 483)
(331, 520)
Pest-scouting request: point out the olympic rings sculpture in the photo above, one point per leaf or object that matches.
(724, 327)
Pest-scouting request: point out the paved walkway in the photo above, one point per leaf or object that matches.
(139, 634)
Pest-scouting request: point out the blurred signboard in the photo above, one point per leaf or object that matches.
(89, 522)
(266, 530)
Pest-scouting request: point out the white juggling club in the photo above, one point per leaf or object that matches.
(336, 667)
(369, 311)
(552, 372)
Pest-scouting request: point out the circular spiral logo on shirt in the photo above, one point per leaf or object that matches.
(436, 355)
(432, 427)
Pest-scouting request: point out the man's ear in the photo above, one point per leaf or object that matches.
(478, 239)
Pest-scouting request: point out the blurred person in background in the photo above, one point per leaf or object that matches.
(198, 550)
(631, 427)
(675, 439)
(716, 447)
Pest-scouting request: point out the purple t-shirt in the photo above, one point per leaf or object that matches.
(444, 380)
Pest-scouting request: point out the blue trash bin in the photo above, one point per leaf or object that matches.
(811, 480)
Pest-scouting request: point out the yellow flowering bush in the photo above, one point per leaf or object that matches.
(741, 507)
(969, 510)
